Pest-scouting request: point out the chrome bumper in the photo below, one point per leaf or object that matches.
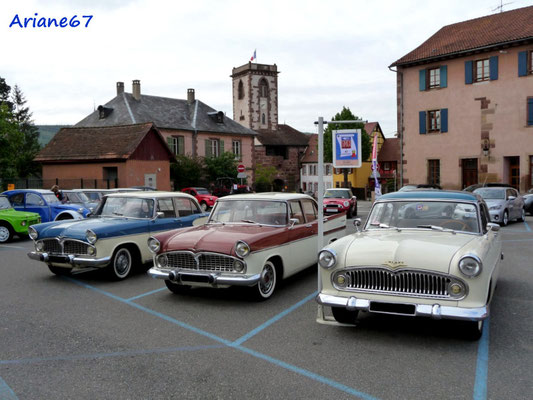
(70, 259)
(210, 278)
(434, 311)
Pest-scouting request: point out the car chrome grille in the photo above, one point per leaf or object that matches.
(406, 282)
(52, 246)
(75, 247)
(202, 261)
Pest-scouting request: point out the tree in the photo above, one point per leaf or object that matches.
(264, 176)
(222, 166)
(187, 171)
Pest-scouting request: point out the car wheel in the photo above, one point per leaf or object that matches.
(349, 213)
(522, 216)
(473, 329)
(177, 288)
(344, 316)
(6, 233)
(204, 206)
(267, 282)
(121, 264)
(59, 270)
(505, 218)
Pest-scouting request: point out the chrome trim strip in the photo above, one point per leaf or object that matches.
(435, 311)
(214, 278)
(196, 257)
(70, 259)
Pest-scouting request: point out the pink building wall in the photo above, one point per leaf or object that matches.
(503, 121)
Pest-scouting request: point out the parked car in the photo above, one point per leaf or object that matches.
(419, 186)
(475, 186)
(14, 222)
(528, 201)
(46, 204)
(505, 204)
(227, 185)
(438, 267)
(249, 240)
(115, 236)
(206, 199)
(96, 195)
(78, 196)
(340, 200)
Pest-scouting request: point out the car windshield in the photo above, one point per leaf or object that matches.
(491, 194)
(77, 197)
(436, 215)
(250, 212)
(202, 191)
(4, 203)
(130, 207)
(338, 194)
(50, 198)
(92, 196)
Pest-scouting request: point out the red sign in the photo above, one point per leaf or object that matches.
(240, 168)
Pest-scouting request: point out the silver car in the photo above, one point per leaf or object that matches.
(505, 204)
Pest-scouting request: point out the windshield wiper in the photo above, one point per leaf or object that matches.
(116, 213)
(437, 228)
(380, 225)
(249, 221)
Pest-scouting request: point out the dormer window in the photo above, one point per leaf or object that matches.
(103, 112)
(217, 116)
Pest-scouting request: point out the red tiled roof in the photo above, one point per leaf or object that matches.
(311, 153)
(95, 143)
(493, 30)
(390, 150)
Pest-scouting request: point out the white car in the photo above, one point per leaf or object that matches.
(438, 265)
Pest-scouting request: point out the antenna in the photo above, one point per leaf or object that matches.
(500, 7)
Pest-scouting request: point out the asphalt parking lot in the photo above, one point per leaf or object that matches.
(84, 337)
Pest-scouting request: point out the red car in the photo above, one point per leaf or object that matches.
(206, 199)
(338, 200)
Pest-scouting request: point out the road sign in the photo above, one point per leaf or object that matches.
(241, 168)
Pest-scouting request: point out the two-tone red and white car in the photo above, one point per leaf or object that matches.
(249, 240)
(205, 199)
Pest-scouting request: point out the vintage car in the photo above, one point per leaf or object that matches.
(440, 267)
(44, 203)
(505, 204)
(340, 200)
(115, 236)
(78, 196)
(14, 222)
(249, 240)
(206, 199)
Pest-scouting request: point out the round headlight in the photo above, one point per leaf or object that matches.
(154, 245)
(470, 266)
(242, 249)
(456, 290)
(238, 266)
(346, 203)
(39, 246)
(162, 261)
(342, 280)
(32, 233)
(327, 258)
(91, 251)
(23, 223)
(91, 236)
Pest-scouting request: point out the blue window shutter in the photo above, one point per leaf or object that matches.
(443, 76)
(422, 79)
(444, 120)
(522, 63)
(468, 72)
(493, 68)
(422, 121)
(530, 111)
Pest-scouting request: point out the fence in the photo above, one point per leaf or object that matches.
(81, 183)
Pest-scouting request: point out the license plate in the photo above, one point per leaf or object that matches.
(332, 210)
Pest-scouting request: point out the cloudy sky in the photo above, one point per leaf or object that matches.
(330, 53)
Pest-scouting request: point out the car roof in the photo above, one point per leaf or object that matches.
(338, 189)
(494, 188)
(41, 191)
(431, 194)
(282, 196)
(150, 194)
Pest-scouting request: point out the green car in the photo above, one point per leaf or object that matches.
(14, 222)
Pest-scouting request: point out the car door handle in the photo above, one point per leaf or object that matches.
(308, 226)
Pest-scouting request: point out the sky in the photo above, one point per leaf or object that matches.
(331, 54)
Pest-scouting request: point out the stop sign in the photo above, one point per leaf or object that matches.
(240, 168)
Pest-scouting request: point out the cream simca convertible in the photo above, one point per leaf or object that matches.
(249, 240)
(115, 236)
(440, 259)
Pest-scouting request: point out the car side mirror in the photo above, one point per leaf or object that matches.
(292, 222)
(491, 226)
(357, 224)
(159, 214)
(89, 215)
(511, 198)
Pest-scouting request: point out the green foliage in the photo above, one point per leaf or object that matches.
(225, 165)
(264, 177)
(345, 115)
(187, 171)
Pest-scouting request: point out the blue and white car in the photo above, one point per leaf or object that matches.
(46, 204)
(116, 236)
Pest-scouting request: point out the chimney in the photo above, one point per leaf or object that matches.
(136, 89)
(120, 88)
(190, 96)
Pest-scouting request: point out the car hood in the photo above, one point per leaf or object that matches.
(12, 214)
(418, 249)
(103, 227)
(495, 202)
(220, 238)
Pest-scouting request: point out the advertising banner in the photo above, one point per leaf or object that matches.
(347, 148)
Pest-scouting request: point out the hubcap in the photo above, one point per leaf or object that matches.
(122, 263)
(267, 279)
(4, 234)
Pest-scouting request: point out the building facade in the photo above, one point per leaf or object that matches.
(309, 169)
(465, 104)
